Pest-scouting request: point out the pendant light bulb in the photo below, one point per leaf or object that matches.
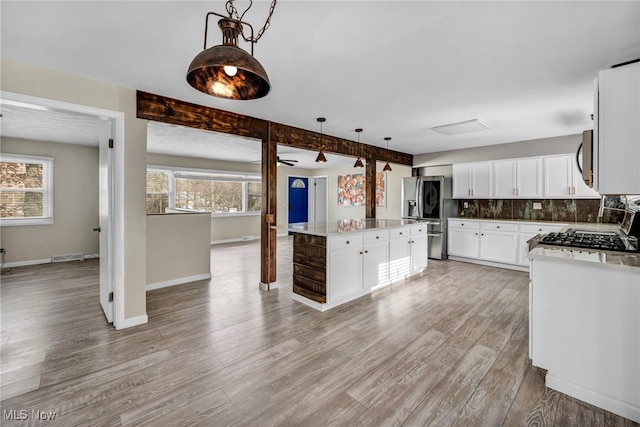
(230, 70)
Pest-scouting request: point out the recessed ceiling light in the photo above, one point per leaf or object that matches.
(462, 127)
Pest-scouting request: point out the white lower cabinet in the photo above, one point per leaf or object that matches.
(503, 242)
(408, 251)
(358, 263)
(419, 253)
(345, 274)
(375, 263)
(399, 253)
(463, 239)
(499, 242)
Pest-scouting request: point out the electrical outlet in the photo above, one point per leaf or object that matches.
(537, 206)
(465, 205)
(1, 250)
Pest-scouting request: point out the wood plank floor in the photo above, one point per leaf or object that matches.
(448, 347)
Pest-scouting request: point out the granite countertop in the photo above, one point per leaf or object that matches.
(520, 221)
(342, 226)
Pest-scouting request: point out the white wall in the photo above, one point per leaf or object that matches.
(40, 82)
(536, 147)
(75, 205)
(177, 247)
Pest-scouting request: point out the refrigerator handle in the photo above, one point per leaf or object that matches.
(419, 197)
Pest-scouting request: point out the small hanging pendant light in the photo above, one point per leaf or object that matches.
(358, 164)
(321, 158)
(387, 167)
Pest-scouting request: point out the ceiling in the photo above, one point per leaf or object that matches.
(393, 68)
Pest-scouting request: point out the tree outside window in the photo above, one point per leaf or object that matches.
(26, 190)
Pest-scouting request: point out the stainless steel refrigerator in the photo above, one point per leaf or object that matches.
(428, 199)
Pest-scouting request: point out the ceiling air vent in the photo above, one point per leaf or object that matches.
(462, 127)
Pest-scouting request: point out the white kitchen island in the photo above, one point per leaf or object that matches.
(336, 262)
(584, 325)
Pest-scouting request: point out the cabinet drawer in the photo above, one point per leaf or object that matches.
(464, 224)
(395, 233)
(541, 228)
(345, 242)
(418, 229)
(499, 226)
(376, 236)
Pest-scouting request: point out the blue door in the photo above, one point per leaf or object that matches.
(298, 199)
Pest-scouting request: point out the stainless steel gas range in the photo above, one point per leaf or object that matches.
(623, 240)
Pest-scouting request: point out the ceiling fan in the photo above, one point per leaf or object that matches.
(288, 162)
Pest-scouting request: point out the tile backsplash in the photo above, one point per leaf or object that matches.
(560, 210)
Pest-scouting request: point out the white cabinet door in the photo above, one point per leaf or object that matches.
(399, 258)
(557, 176)
(504, 179)
(419, 253)
(461, 180)
(616, 130)
(376, 265)
(463, 242)
(481, 175)
(499, 246)
(529, 177)
(345, 273)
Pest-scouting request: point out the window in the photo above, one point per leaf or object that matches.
(219, 192)
(26, 190)
(157, 191)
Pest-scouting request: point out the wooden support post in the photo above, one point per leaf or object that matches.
(268, 233)
(370, 195)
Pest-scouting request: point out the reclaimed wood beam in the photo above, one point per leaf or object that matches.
(268, 236)
(370, 188)
(173, 111)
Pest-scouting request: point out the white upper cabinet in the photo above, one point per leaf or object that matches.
(562, 179)
(526, 178)
(519, 178)
(616, 132)
(472, 180)
(557, 176)
(529, 177)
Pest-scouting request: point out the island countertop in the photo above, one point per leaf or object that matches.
(342, 226)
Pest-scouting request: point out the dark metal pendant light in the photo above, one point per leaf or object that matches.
(321, 158)
(226, 71)
(387, 167)
(358, 164)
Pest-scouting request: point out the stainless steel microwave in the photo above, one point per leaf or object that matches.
(584, 157)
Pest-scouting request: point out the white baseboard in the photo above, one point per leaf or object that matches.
(235, 239)
(133, 321)
(23, 263)
(178, 281)
(593, 397)
(91, 256)
(490, 263)
(268, 287)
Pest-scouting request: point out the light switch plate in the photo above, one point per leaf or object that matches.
(537, 205)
